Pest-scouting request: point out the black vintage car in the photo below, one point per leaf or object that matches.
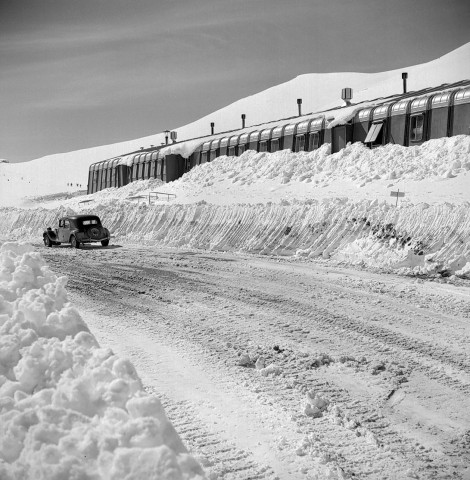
(77, 230)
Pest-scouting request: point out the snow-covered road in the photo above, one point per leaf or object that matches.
(287, 368)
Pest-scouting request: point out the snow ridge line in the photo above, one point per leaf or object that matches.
(421, 239)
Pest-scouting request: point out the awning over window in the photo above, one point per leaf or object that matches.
(373, 132)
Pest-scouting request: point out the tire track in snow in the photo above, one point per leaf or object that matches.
(266, 304)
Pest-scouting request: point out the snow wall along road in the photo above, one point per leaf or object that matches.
(410, 238)
(423, 238)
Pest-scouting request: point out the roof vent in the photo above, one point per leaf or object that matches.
(346, 95)
(212, 128)
(404, 76)
(299, 104)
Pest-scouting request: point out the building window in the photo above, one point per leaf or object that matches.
(163, 170)
(275, 145)
(373, 134)
(300, 143)
(313, 141)
(241, 149)
(416, 127)
(231, 151)
(263, 146)
(204, 157)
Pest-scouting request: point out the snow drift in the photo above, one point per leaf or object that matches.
(68, 408)
(303, 204)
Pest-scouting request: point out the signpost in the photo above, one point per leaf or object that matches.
(156, 194)
(397, 194)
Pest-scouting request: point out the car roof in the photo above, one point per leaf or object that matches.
(79, 217)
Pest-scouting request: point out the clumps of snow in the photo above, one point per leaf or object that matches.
(184, 149)
(464, 272)
(245, 360)
(377, 368)
(320, 360)
(258, 362)
(337, 416)
(326, 456)
(342, 418)
(270, 370)
(316, 404)
(68, 408)
(356, 163)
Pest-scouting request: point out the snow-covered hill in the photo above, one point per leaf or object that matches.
(67, 172)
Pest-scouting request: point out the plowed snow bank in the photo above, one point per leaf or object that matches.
(307, 204)
(425, 238)
(68, 408)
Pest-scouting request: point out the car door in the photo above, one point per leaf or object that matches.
(66, 231)
(60, 236)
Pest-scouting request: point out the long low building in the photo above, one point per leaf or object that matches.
(406, 119)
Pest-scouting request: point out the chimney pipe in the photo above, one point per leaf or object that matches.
(243, 120)
(299, 103)
(346, 95)
(166, 132)
(212, 128)
(404, 76)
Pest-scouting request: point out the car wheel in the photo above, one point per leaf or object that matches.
(105, 243)
(47, 241)
(74, 242)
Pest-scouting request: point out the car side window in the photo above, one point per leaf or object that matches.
(66, 224)
(61, 223)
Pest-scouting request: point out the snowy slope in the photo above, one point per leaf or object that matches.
(52, 174)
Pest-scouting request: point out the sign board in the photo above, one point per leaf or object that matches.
(397, 195)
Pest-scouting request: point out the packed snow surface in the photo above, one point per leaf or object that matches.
(68, 408)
